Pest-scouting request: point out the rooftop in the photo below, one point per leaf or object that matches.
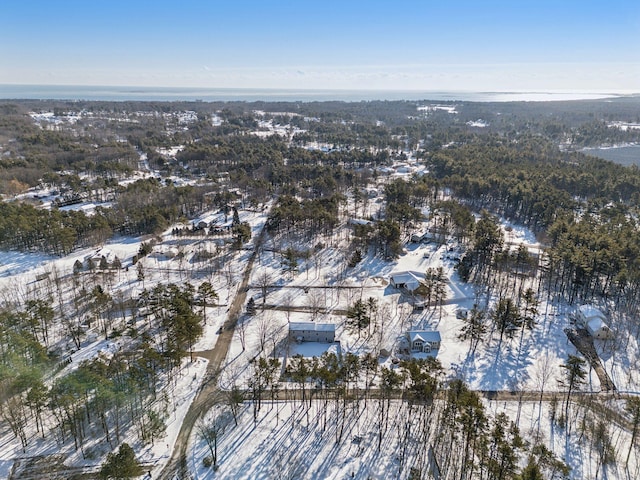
(589, 311)
(424, 335)
(319, 327)
(407, 277)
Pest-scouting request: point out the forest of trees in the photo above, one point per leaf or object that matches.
(584, 211)
(110, 393)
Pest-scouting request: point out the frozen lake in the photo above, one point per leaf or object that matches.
(629, 155)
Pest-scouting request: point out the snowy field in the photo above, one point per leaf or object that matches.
(278, 444)
(492, 365)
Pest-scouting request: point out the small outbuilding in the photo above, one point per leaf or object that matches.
(312, 332)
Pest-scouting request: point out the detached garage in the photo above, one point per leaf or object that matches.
(593, 321)
(599, 330)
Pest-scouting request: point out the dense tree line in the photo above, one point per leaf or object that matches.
(142, 207)
(26, 228)
(531, 181)
(111, 393)
(308, 217)
(585, 209)
(597, 254)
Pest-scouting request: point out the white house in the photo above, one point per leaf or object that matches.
(165, 253)
(423, 237)
(96, 257)
(205, 221)
(409, 280)
(598, 329)
(593, 320)
(423, 341)
(312, 332)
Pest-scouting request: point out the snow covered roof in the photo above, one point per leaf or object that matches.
(424, 335)
(213, 220)
(589, 311)
(596, 324)
(359, 221)
(306, 326)
(208, 219)
(410, 279)
(169, 252)
(99, 253)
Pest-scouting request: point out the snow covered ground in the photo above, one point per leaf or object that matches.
(321, 290)
(278, 443)
(491, 366)
(23, 275)
(178, 396)
(290, 442)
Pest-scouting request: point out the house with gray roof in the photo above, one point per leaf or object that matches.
(312, 332)
(408, 280)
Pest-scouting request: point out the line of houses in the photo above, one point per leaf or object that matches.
(412, 342)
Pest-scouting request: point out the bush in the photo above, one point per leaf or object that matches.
(356, 258)
(121, 465)
(145, 249)
(207, 461)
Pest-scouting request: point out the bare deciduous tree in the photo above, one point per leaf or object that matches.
(210, 431)
(264, 282)
(241, 331)
(316, 303)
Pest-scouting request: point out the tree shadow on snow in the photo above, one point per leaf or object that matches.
(503, 366)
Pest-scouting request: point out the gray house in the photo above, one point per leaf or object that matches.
(423, 341)
(312, 332)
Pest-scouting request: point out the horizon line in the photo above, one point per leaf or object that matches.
(133, 93)
(624, 92)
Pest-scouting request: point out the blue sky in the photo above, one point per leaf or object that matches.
(397, 44)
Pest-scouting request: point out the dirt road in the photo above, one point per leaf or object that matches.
(209, 393)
